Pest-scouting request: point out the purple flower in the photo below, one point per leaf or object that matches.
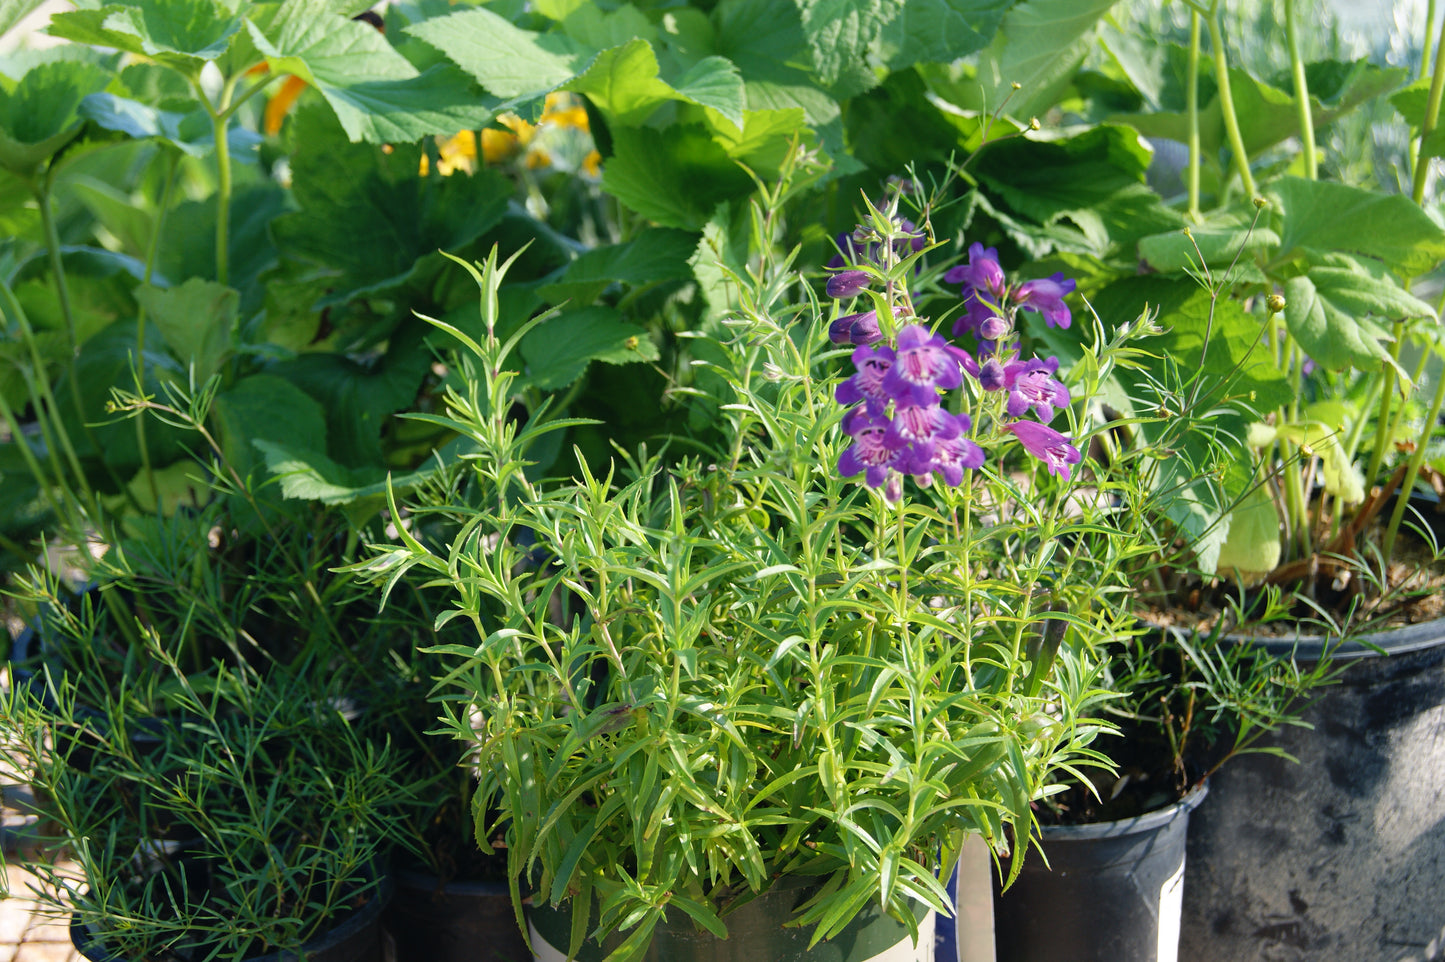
(1031, 384)
(982, 273)
(993, 329)
(948, 457)
(1046, 296)
(867, 385)
(922, 367)
(992, 375)
(847, 284)
(975, 313)
(855, 329)
(965, 360)
(1046, 444)
(923, 423)
(868, 452)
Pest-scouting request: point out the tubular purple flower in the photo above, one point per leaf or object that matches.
(1031, 384)
(921, 423)
(922, 367)
(866, 385)
(1046, 444)
(1045, 295)
(982, 273)
(949, 457)
(848, 284)
(965, 360)
(868, 452)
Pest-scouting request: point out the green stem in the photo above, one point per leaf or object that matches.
(1301, 93)
(62, 290)
(1191, 94)
(1226, 103)
(1429, 22)
(1417, 458)
(1432, 114)
(1382, 424)
(18, 438)
(140, 323)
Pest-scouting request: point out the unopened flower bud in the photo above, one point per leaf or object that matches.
(1260, 203)
(993, 328)
(855, 329)
(991, 375)
(847, 283)
(1275, 303)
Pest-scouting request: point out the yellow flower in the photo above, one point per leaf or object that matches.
(592, 164)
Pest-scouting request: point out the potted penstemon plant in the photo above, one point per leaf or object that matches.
(763, 691)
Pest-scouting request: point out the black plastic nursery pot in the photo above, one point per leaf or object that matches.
(356, 939)
(1340, 858)
(1110, 892)
(756, 933)
(454, 922)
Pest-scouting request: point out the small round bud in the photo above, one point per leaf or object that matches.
(1016, 85)
(993, 328)
(1188, 232)
(1275, 303)
(1034, 124)
(1260, 203)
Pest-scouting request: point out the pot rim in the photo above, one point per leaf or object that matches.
(1139, 824)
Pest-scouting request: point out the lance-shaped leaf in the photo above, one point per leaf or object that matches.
(375, 92)
(42, 113)
(182, 34)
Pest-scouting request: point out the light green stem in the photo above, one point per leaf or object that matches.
(1191, 94)
(1226, 103)
(1417, 458)
(1301, 93)
(1429, 22)
(1432, 114)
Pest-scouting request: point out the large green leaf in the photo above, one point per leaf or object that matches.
(843, 32)
(376, 92)
(311, 476)
(264, 407)
(198, 320)
(1224, 238)
(1327, 328)
(715, 82)
(657, 254)
(674, 176)
(368, 217)
(623, 81)
(1039, 45)
(190, 132)
(940, 31)
(558, 352)
(591, 26)
(358, 397)
(507, 60)
(188, 240)
(42, 114)
(183, 34)
(1323, 216)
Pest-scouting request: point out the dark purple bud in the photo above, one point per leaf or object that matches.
(855, 329)
(991, 375)
(848, 284)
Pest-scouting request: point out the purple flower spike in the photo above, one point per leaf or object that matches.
(922, 367)
(868, 452)
(1031, 384)
(949, 457)
(847, 284)
(866, 386)
(992, 376)
(1046, 444)
(855, 329)
(1046, 296)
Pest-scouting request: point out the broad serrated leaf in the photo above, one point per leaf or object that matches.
(842, 32)
(940, 31)
(1222, 239)
(182, 34)
(1333, 335)
(1039, 45)
(507, 60)
(674, 176)
(656, 254)
(1411, 101)
(264, 407)
(42, 113)
(623, 82)
(197, 319)
(715, 82)
(366, 215)
(591, 26)
(1324, 216)
(558, 352)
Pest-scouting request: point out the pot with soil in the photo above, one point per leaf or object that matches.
(1340, 857)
